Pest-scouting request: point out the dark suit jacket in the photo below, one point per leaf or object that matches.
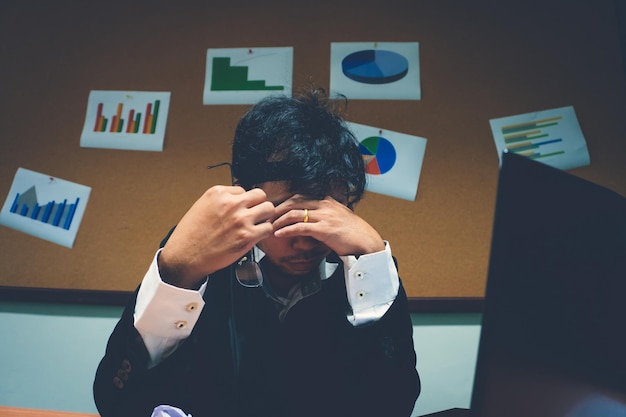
(240, 360)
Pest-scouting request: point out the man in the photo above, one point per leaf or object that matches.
(320, 326)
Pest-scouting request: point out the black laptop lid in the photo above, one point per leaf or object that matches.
(553, 337)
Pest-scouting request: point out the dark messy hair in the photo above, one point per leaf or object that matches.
(302, 140)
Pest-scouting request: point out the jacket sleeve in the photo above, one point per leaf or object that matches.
(385, 377)
(125, 360)
(124, 383)
(367, 370)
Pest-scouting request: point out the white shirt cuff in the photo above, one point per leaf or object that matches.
(165, 314)
(372, 285)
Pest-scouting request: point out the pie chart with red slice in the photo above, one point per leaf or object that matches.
(379, 155)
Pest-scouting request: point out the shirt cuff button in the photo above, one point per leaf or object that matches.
(181, 324)
(192, 307)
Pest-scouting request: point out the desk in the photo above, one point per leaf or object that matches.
(29, 412)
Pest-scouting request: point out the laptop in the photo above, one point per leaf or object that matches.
(553, 335)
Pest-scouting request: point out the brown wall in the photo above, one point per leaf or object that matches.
(479, 60)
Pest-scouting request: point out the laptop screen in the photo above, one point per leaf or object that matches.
(553, 337)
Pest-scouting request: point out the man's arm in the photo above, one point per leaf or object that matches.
(383, 377)
(165, 315)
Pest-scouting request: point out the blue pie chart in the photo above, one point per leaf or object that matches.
(375, 66)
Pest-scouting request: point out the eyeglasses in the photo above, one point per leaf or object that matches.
(230, 168)
(248, 271)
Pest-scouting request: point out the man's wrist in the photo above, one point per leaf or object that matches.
(175, 275)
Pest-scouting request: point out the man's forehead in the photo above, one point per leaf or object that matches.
(276, 191)
(280, 191)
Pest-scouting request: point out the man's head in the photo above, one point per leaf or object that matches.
(301, 140)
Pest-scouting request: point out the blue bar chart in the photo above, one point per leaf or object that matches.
(47, 207)
(57, 214)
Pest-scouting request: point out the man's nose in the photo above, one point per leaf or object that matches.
(304, 243)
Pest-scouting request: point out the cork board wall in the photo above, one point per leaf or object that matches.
(478, 60)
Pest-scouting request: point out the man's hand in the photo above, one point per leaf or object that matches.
(224, 224)
(328, 221)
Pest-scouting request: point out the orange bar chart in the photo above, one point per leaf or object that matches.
(132, 122)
